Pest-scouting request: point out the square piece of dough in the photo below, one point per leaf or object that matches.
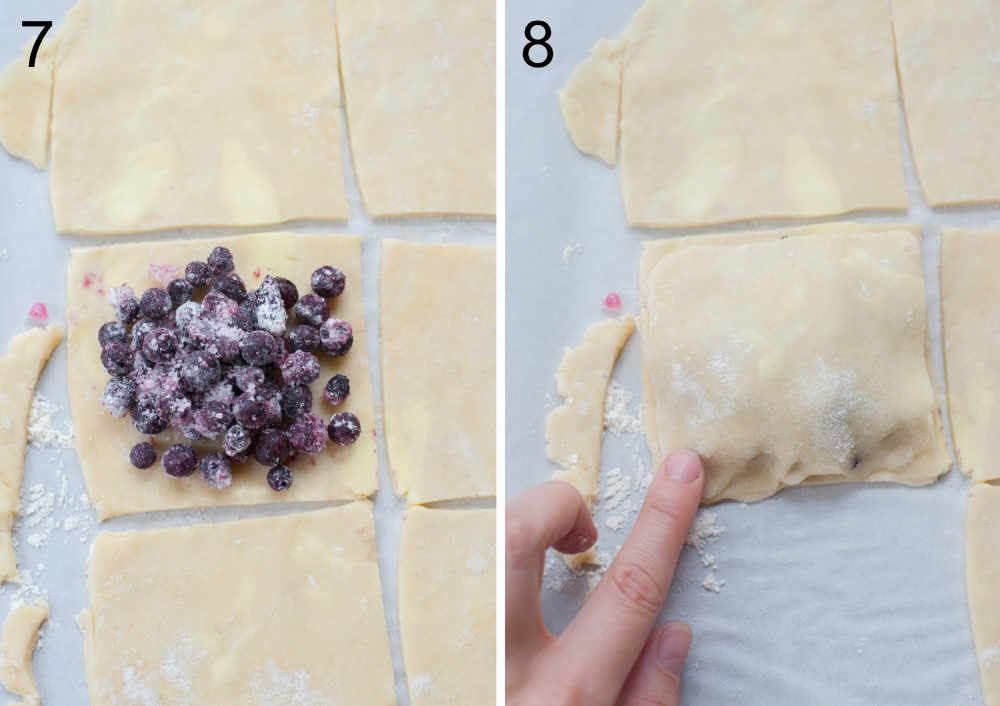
(420, 89)
(949, 67)
(741, 109)
(790, 358)
(447, 605)
(280, 610)
(970, 261)
(438, 324)
(103, 442)
(222, 112)
(982, 582)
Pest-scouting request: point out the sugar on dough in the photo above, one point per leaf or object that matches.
(438, 326)
(574, 430)
(447, 605)
(949, 65)
(790, 358)
(230, 118)
(419, 85)
(971, 332)
(17, 646)
(737, 109)
(982, 581)
(255, 616)
(19, 370)
(103, 443)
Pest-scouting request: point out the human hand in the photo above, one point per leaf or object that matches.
(610, 653)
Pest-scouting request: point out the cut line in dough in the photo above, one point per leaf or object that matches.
(573, 431)
(17, 647)
(25, 102)
(591, 101)
(982, 582)
(20, 369)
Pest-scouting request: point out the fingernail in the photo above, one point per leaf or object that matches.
(580, 543)
(684, 466)
(672, 647)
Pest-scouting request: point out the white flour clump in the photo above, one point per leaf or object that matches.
(706, 531)
(42, 431)
(617, 418)
(570, 250)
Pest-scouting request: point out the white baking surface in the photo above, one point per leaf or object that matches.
(851, 595)
(34, 269)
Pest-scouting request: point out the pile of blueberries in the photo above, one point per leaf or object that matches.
(229, 368)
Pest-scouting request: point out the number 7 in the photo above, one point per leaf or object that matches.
(46, 26)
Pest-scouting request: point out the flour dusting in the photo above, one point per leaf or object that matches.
(705, 531)
(617, 416)
(42, 431)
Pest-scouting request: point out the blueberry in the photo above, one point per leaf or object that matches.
(180, 461)
(328, 282)
(125, 304)
(221, 261)
(237, 440)
(159, 345)
(246, 377)
(344, 428)
(337, 389)
(198, 371)
(312, 310)
(296, 400)
(216, 471)
(146, 416)
(186, 313)
(198, 274)
(139, 332)
(303, 338)
(111, 331)
(119, 396)
(180, 291)
(246, 317)
(299, 368)
(231, 285)
(279, 478)
(272, 447)
(336, 336)
(308, 433)
(155, 304)
(259, 348)
(289, 292)
(142, 455)
(252, 411)
(117, 359)
(213, 419)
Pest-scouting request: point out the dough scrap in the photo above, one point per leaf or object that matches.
(949, 65)
(103, 443)
(438, 325)
(420, 88)
(278, 610)
(26, 100)
(737, 109)
(20, 637)
(790, 360)
(19, 369)
(590, 102)
(447, 605)
(230, 118)
(971, 330)
(982, 581)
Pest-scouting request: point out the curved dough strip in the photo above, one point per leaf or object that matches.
(20, 637)
(573, 431)
(591, 98)
(19, 369)
(982, 581)
(26, 102)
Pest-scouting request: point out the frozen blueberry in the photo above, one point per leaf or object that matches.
(272, 447)
(155, 304)
(111, 331)
(180, 461)
(251, 410)
(296, 400)
(336, 336)
(269, 307)
(216, 471)
(303, 338)
(198, 371)
(139, 332)
(337, 389)
(299, 368)
(231, 285)
(142, 455)
(125, 304)
(289, 292)
(237, 440)
(246, 317)
(180, 291)
(186, 313)
(279, 478)
(117, 358)
(159, 345)
(344, 428)
(259, 348)
(221, 261)
(328, 282)
(312, 310)
(146, 416)
(119, 396)
(174, 406)
(213, 419)
(246, 377)
(198, 274)
(308, 433)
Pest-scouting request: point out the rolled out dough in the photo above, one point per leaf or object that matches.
(25, 101)
(420, 88)
(103, 443)
(20, 637)
(447, 606)
(788, 358)
(949, 68)
(982, 581)
(224, 112)
(278, 610)
(971, 329)
(740, 109)
(19, 370)
(438, 325)
(590, 102)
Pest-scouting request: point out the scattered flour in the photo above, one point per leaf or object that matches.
(42, 431)
(705, 531)
(287, 688)
(617, 418)
(990, 656)
(421, 683)
(570, 250)
(4, 255)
